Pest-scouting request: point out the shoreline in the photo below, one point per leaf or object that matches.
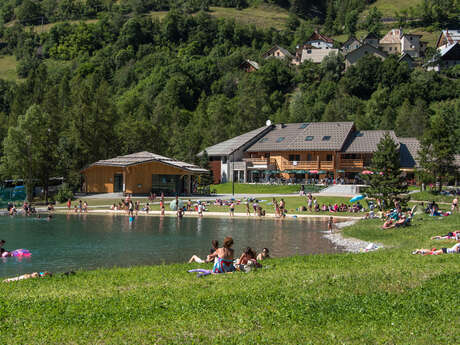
(194, 214)
(350, 244)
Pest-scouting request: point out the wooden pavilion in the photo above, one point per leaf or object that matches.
(141, 173)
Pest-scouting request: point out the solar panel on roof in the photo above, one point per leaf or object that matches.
(309, 138)
(326, 138)
(303, 125)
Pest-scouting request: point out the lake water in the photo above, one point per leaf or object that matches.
(71, 242)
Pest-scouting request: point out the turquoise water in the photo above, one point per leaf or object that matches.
(71, 242)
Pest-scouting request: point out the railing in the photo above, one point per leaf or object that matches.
(301, 165)
(257, 161)
(351, 163)
(327, 165)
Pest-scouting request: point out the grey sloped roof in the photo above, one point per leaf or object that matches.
(144, 157)
(276, 47)
(295, 135)
(408, 152)
(228, 146)
(366, 141)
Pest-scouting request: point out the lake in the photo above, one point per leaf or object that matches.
(71, 242)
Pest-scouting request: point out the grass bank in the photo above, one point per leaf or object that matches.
(383, 297)
(247, 188)
(430, 196)
(8, 68)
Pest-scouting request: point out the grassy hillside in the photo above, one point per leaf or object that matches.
(389, 7)
(384, 297)
(8, 67)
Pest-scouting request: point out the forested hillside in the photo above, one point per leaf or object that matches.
(128, 82)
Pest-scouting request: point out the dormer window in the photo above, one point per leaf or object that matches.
(280, 139)
(309, 138)
(326, 138)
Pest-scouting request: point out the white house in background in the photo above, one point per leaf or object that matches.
(277, 52)
(397, 42)
(449, 56)
(318, 40)
(316, 55)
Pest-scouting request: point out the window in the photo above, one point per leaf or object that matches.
(410, 38)
(309, 157)
(326, 138)
(303, 125)
(390, 49)
(280, 139)
(359, 134)
(263, 140)
(329, 158)
(309, 138)
(309, 51)
(294, 158)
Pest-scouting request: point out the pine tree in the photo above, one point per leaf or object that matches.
(386, 182)
(438, 146)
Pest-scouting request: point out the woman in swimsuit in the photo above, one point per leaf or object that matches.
(224, 257)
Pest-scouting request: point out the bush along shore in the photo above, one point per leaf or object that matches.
(384, 297)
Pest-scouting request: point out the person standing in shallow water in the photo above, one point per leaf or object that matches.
(330, 223)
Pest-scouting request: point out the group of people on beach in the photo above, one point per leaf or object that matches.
(224, 261)
(455, 249)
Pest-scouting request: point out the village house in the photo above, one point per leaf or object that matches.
(315, 49)
(397, 42)
(350, 44)
(301, 151)
(366, 49)
(447, 38)
(448, 46)
(277, 52)
(371, 39)
(141, 173)
(249, 66)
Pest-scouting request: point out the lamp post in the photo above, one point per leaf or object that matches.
(233, 174)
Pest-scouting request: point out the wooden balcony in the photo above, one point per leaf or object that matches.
(301, 165)
(327, 165)
(351, 163)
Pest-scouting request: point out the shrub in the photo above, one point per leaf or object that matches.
(64, 193)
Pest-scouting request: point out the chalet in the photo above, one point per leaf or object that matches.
(448, 57)
(249, 66)
(366, 49)
(351, 44)
(141, 173)
(277, 52)
(302, 149)
(318, 40)
(447, 38)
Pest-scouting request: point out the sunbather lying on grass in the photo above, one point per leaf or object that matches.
(28, 276)
(449, 236)
(454, 249)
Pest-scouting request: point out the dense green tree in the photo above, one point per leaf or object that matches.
(373, 21)
(438, 145)
(386, 182)
(28, 150)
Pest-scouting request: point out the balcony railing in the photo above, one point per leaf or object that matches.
(257, 161)
(351, 163)
(327, 165)
(301, 165)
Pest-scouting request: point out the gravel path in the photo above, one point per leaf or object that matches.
(350, 244)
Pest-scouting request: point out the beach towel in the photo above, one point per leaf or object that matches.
(200, 272)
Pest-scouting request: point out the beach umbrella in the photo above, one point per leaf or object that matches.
(173, 206)
(313, 172)
(340, 171)
(356, 198)
(322, 172)
(301, 171)
(367, 172)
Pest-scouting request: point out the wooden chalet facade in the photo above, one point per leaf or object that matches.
(141, 173)
(303, 150)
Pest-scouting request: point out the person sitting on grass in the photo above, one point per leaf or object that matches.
(224, 257)
(265, 254)
(388, 224)
(194, 258)
(247, 255)
(28, 276)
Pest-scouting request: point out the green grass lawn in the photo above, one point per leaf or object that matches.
(429, 196)
(383, 297)
(246, 188)
(8, 67)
